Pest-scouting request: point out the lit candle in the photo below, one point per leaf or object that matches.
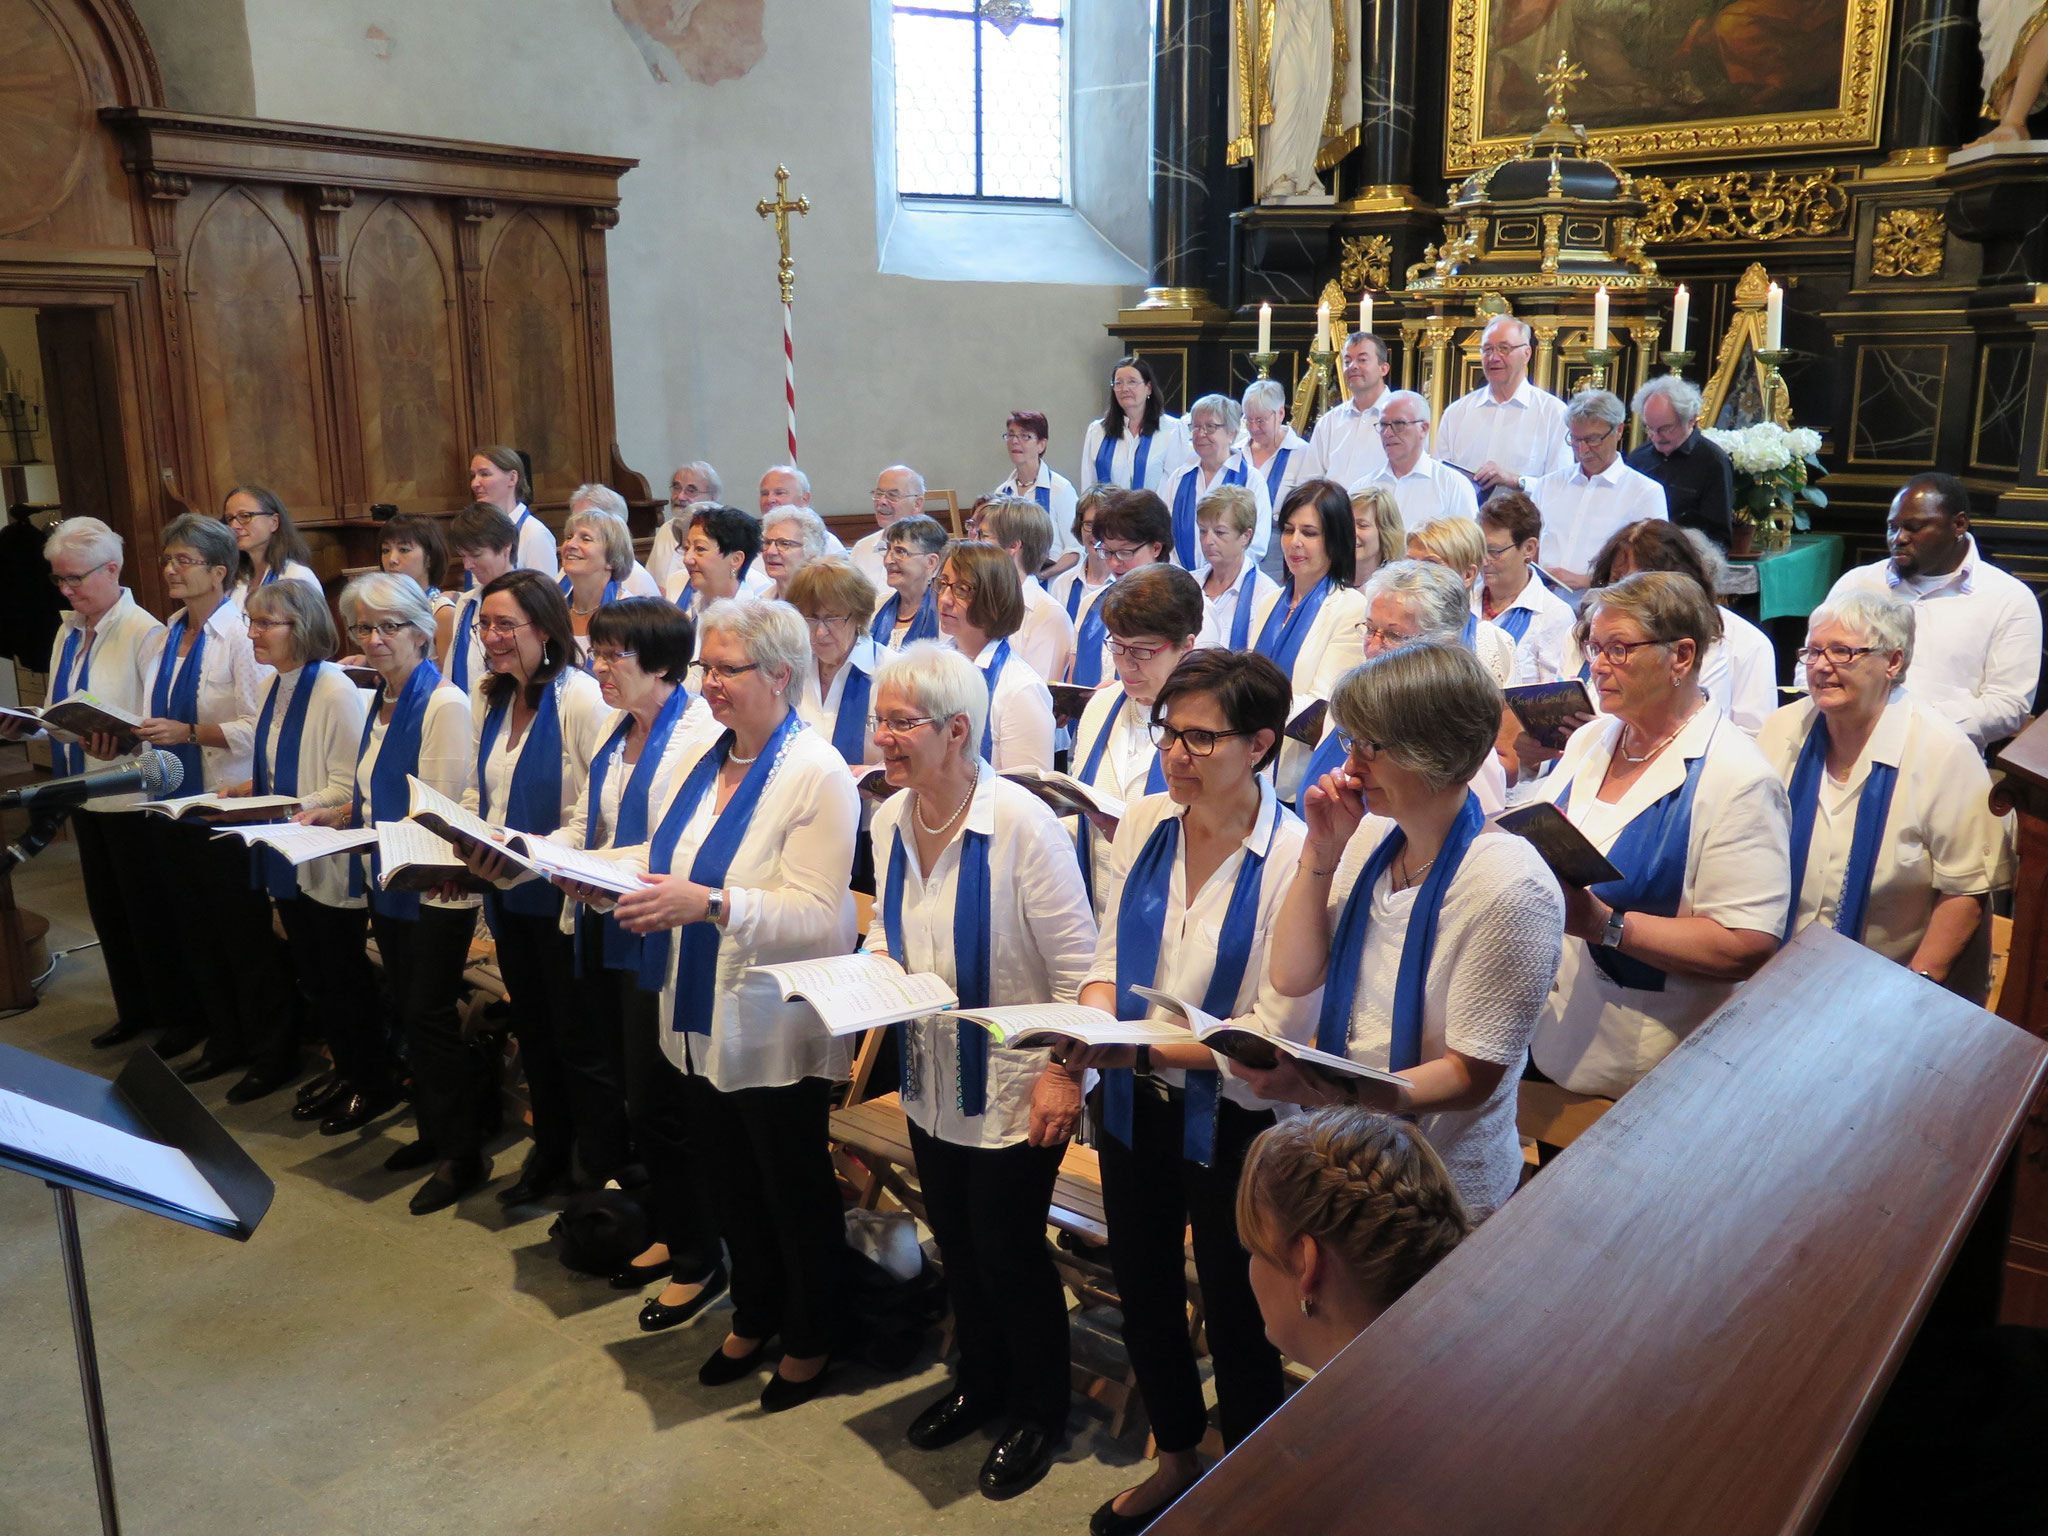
(1265, 327)
(1681, 312)
(1774, 320)
(1365, 313)
(1600, 319)
(1323, 325)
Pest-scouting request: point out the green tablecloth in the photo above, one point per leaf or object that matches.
(1792, 582)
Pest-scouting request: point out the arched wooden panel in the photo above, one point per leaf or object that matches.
(252, 359)
(537, 390)
(402, 349)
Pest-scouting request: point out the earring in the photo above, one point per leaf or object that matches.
(1308, 1306)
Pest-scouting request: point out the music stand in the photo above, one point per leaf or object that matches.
(145, 1100)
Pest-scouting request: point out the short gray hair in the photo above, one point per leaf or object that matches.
(1514, 320)
(1433, 708)
(1682, 394)
(611, 532)
(86, 537)
(208, 537)
(916, 480)
(710, 475)
(599, 498)
(1599, 405)
(1417, 403)
(1440, 599)
(803, 481)
(809, 521)
(399, 596)
(1222, 407)
(303, 608)
(922, 532)
(1266, 392)
(774, 635)
(1882, 619)
(941, 683)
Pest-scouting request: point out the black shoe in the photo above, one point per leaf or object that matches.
(947, 1421)
(178, 1042)
(357, 1109)
(451, 1181)
(634, 1276)
(115, 1034)
(414, 1154)
(654, 1316)
(781, 1394)
(317, 1106)
(205, 1070)
(322, 1085)
(1107, 1522)
(536, 1181)
(1019, 1460)
(722, 1369)
(258, 1083)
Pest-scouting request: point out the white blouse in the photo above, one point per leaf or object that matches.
(536, 550)
(1041, 937)
(1335, 644)
(1262, 530)
(1193, 931)
(1540, 653)
(1748, 671)
(1171, 448)
(231, 686)
(1060, 492)
(1020, 713)
(821, 714)
(1597, 1036)
(327, 764)
(1219, 613)
(585, 721)
(1046, 637)
(1298, 468)
(116, 664)
(1126, 765)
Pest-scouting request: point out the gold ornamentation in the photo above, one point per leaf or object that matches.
(1558, 82)
(780, 210)
(1908, 242)
(1337, 143)
(1552, 222)
(1742, 205)
(1365, 262)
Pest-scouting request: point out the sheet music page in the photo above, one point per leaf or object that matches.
(577, 863)
(1029, 1024)
(150, 1168)
(851, 993)
(1180, 1008)
(426, 800)
(301, 844)
(407, 842)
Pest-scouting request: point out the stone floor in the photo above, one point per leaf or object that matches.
(354, 1369)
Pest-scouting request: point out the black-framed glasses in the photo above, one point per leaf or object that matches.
(1358, 747)
(1836, 655)
(1138, 653)
(244, 519)
(64, 581)
(725, 674)
(1199, 742)
(898, 725)
(389, 629)
(1617, 652)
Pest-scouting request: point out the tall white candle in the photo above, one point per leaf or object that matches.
(1365, 313)
(1265, 327)
(1600, 319)
(1323, 325)
(1681, 313)
(1774, 320)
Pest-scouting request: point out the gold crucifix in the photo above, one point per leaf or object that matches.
(780, 210)
(1558, 82)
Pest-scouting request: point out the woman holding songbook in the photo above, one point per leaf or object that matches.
(1232, 583)
(1433, 941)
(1135, 445)
(913, 549)
(1192, 893)
(541, 723)
(597, 557)
(978, 887)
(1309, 628)
(413, 545)
(268, 548)
(1692, 815)
(1342, 1212)
(981, 604)
(748, 865)
(1893, 840)
(205, 688)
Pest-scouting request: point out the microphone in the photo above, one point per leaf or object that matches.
(153, 772)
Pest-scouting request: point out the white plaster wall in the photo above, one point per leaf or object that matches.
(888, 368)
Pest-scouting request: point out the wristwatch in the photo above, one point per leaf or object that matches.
(714, 907)
(1611, 937)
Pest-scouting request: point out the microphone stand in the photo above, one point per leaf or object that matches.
(43, 827)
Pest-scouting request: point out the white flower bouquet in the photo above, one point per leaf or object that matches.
(1775, 468)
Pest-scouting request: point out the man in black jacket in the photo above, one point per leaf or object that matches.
(1698, 480)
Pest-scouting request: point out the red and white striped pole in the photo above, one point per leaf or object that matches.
(789, 374)
(785, 270)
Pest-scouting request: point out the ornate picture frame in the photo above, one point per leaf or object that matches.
(1726, 79)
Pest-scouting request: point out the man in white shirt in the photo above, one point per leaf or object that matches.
(899, 491)
(784, 485)
(1023, 530)
(1345, 447)
(1976, 629)
(606, 502)
(1425, 487)
(1507, 429)
(691, 483)
(1585, 505)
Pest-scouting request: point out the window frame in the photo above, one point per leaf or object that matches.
(980, 197)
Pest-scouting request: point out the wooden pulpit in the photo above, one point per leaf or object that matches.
(1687, 1322)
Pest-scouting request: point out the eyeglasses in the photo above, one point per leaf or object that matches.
(1617, 652)
(725, 674)
(827, 620)
(783, 546)
(1358, 747)
(878, 494)
(1119, 551)
(1500, 551)
(1206, 428)
(1022, 437)
(1389, 424)
(609, 657)
(182, 562)
(244, 519)
(1503, 348)
(390, 629)
(1198, 742)
(500, 626)
(897, 725)
(264, 626)
(1836, 655)
(65, 582)
(1580, 440)
(1138, 653)
(1369, 632)
(963, 590)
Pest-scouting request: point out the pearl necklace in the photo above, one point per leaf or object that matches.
(917, 809)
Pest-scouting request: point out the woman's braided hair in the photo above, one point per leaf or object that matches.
(1367, 1187)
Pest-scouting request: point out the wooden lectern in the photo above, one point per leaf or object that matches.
(2024, 1000)
(1687, 1322)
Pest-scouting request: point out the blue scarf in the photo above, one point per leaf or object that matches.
(924, 624)
(1276, 475)
(991, 674)
(267, 867)
(1347, 943)
(1090, 636)
(176, 697)
(390, 797)
(1469, 635)
(1187, 549)
(971, 928)
(1650, 853)
(611, 591)
(622, 949)
(850, 725)
(697, 947)
(1873, 809)
(1105, 459)
(533, 802)
(458, 653)
(1516, 622)
(67, 757)
(1140, 920)
(1241, 615)
(1281, 639)
(1084, 835)
(1075, 589)
(1328, 757)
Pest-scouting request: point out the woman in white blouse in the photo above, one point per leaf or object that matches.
(978, 887)
(499, 476)
(1310, 627)
(837, 602)
(1232, 583)
(1213, 423)
(540, 723)
(748, 865)
(981, 604)
(1271, 445)
(1192, 895)
(269, 547)
(719, 548)
(791, 538)
(1683, 804)
(1434, 942)
(913, 549)
(417, 727)
(1026, 436)
(1076, 590)
(1893, 840)
(1135, 445)
(487, 543)
(205, 688)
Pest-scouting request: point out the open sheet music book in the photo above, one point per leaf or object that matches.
(410, 858)
(300, 844)
(852, 993)
(465, 830)
(46, 1134)
(219, 808)
(1034, 1026)
(1256, 1049)
(1066, 794)
(80, 715)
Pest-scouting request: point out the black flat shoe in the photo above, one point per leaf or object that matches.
(205, 1070)
(1019, 1460)
(356, 1109)
(722, 1369)
(1107, 1522)
(321, 1085)
(451, 1181)
(636, 1276)
(414, 1154)
(177, 1042)
(781, 1394)
(535, 1183)
(654, 1316)
(258, 1083)
(317, 1106)
(115, 1034)
(947, 1421)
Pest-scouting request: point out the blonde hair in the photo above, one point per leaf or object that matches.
(1232, 506)
(1367, 1187)
(611, 532)
(1378, 499)
(824, 585)
(1453, 541)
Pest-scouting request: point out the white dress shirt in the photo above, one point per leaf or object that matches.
(1062, 592)
(536, 550)
(1299, 461)
(1060, 492)
(1431, 489)
(116, 663)
(640, 582)
(1046, 637)
(1524, 434)
(1171, 448)
(231, 686)
(1747, 673)
(821, 712)
(1976, 642)
(1600, 1037)
(291, 570)
(1041, 940)
(1335, 644)
(865, 556)
(470, 602)
(1345, 444)
(1219, 613)
(1125, 769)
(1540, 653)
(1020, 713)
(328, 740)
(1581, 513)
(1262, 528)
(665, 553)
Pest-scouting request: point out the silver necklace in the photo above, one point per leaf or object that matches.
(1622, 751)
(917, 809)
(743, 762)
(1410, 876)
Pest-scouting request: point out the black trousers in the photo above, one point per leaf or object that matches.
(1151, 1195)
(987, 1207)
(113, 854)
(243, 974)
(658, 1100)
(761, 1159)
(340, 988)
(154, 887)
(423, 961)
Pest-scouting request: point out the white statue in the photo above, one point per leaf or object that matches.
(1294, 93)
(2014, 37)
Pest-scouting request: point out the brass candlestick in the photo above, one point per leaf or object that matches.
(1773, 360)
(1264, 362)
(1678, 362)
(1602, 358)
(1320, 361)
